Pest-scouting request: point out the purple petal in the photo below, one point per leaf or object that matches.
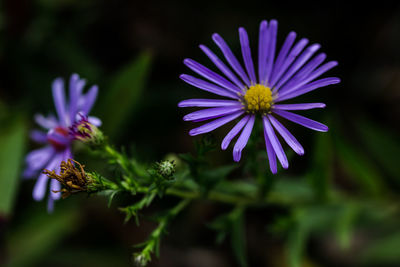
(55, 186)
(314, 125)
(302, 76)
(273, 28)
(211, 113)
(243, 139)
(235, 130)
(307, 88)
(38, 158)
(230, 57)
(276, 145)
(223, 67)
(287, 136)
(47, 123)
(40, 187)
(271, 154)
(58, 138)
(208, 127)
(73, 96)
(283, 53)
(303, 106)
(95, 121)
(206, 103)
(210, 75)
(38, 136)
(59, 100)
(321, 70)
(262, 51)
(297, 64)
(89, 100)
(50, 205)
(209, 87)
(246, 52)
(292, 55)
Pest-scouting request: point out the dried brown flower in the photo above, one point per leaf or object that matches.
(73, 178)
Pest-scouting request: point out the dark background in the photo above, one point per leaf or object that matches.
(41, 40)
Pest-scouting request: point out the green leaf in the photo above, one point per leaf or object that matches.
(345, 225)
(383, 251)
(384, 145)
(238, 236)
(321, 169)
(232, 224)
(124, 94)
(12, 144)
(359, 166)
(29, 243)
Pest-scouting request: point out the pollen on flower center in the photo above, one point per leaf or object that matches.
(258, 98)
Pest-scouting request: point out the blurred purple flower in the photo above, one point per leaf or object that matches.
(56, 137)
(290, 74)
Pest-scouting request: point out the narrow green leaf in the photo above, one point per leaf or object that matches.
(359, 166)
(12, 144)
(384, 145)
(124, 94)
(238, 236)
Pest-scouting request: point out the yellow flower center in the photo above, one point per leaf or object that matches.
(258, 98)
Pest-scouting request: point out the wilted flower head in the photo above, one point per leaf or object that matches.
(56, 137)
(73, 179)
(289, 74)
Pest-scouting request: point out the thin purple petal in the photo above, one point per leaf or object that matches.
(95, 121)
(230, 57)
(50, 204)
(55, 186)
(47, 123)
(287, 136)
(272, 31)
(38, 158)
(89, 100)
(73, 96)
(290, 58)
(282, 54)
(210, 75)
(246, 52)
(302, 76)
(271, 154)
(38, 136)
(235, 130)
(314, 125)
(307, 88)
(275, 143)
(302, 106)
(40, 187)
(243, 139)
(297, 64)
(59, 100)
(206, 103)
(208, 127)
(206, 86)
(223, 68)
(211, 113)
(262, 51)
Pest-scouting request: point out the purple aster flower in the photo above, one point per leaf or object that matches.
(56, 138)
(290, 73)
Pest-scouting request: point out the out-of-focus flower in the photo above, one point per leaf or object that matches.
(56, 138)
(290, 74)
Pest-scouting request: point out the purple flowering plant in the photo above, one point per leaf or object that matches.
(250, 92)
(259, 90)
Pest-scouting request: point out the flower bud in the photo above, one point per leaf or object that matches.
(166, 168)
(86, 132)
